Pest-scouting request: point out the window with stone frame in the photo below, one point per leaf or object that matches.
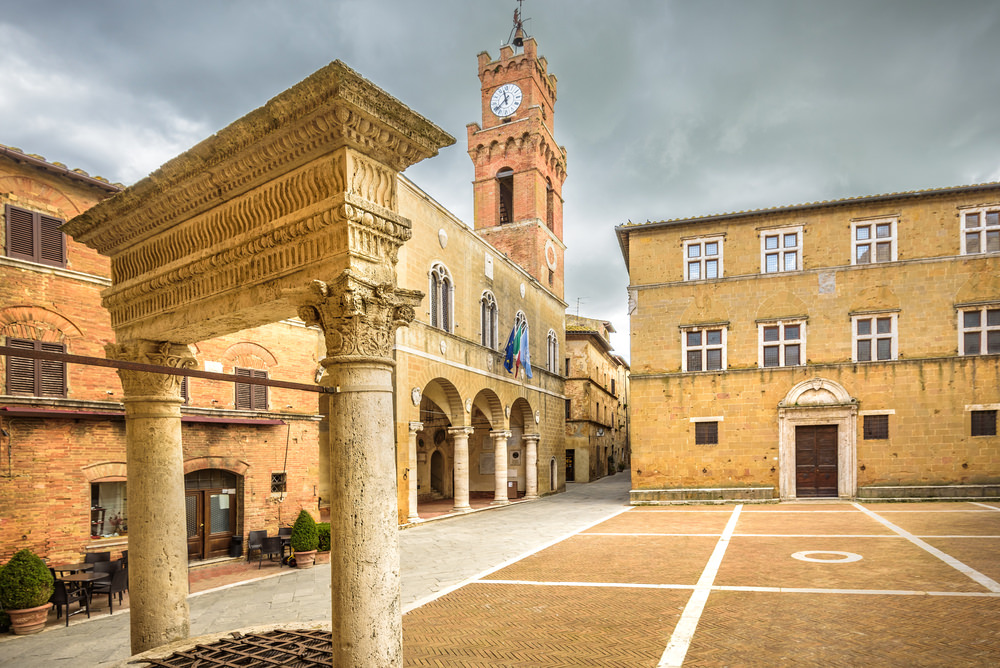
(781, 250)
(442, 292)
(488, 320)
(981, 231)
(251, 397)
(875, 337)
(876, 427)
(706, 433)
(703, 258)
(984, 423)
(704, 348)
(34, 236)
(979, 330)
(35, 377)
(781, 343)
(552, 349)
(873, 241)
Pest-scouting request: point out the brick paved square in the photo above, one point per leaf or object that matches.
(887, 563)
(982, 554)
(787, 629)
(499, 625)
(847, 521)
(710, 521)
(632, 559)
(972, 522)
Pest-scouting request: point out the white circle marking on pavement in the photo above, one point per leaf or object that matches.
(846, 557)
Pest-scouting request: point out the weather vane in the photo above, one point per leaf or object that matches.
(517, 35)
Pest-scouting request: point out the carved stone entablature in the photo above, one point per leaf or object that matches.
(147, 385)
(332, 109)
(358, 318)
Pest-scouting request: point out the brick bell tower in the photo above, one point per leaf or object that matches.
(520, 168)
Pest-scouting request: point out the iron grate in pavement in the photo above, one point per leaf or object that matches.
(288, 649)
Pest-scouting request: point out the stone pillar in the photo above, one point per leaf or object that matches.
(500, 466)
(411, 473)
(156, 519)
(461, 438)
(531, 466)
(359, 319)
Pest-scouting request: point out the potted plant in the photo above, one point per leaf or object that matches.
(26, 585)
(305, 539)
(323, 548)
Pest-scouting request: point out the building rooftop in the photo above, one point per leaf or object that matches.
(59, 168)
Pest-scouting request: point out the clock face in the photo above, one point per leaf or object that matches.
(506, 99)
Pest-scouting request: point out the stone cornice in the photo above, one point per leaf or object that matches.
(331, 109)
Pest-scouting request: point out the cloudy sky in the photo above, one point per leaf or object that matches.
(666, 108)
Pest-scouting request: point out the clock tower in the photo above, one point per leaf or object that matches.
(520, 168)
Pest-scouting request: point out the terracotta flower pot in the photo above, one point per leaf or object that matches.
(323, 557)
(305, 559)
(29, 620)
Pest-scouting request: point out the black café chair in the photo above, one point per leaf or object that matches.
(255, 542)
(63, 596)
(118, 584)
(95, 557)
(285, 532)
(271, 547)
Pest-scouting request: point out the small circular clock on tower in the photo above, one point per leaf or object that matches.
(506, 99)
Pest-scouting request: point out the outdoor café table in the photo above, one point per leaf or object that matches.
(72, 568)
(85, 580)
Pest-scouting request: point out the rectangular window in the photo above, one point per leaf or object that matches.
(876, 427)
(108, 508)
(36, 237)
(703, 259)
(874, 337)
(279, 482)
(34, 377)
(984, 423)
(980, 231)
(706, 433)
(704, 349)
(569, 408)
(567, 367)
(782, 343)
(251, 397)
(979, 330)
(873, 241)
(781, 250)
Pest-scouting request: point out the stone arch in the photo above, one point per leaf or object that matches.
(818, 402)
(876, 297)
(34, 322)
(43, 195)
(981, 286)
(105, 472)
(442, 393)
(782, 305)
(489, 404)
(249, 355)
(704, 308)
(231, 464)
(521, 414)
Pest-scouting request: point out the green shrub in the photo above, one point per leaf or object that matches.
(323, 528)
(25, 582)
(304, 534)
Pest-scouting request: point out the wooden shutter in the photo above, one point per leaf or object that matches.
(20, 233)
(20, 370)
(259, 392)
(51, 375)
(243, 394)
(39, 378)
(51, 241)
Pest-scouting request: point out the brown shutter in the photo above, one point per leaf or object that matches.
(21, 370)
(20, 233)
(259, 392)
(243, 395)
(52, 242)
(52, 375)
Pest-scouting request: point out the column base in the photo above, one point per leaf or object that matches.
(461, 509)
(499, 502)
(530, 497)
(413, 518)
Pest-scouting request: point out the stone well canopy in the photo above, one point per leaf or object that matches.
(220, 238)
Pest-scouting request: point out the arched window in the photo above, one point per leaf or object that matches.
(505, 191)
(442, 292)
(552, 358)
(520, 319)
(549, 203)
(488, 320)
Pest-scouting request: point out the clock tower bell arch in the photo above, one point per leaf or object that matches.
(519, 167)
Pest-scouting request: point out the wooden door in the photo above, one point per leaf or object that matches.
(816, 461)
(211, 521)
(195, 510)
(570, 466)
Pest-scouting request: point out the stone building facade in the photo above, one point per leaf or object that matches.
(840, 349)
(249, 454)
(596, 401)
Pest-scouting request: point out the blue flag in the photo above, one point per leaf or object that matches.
(508, 355)
(523, 353)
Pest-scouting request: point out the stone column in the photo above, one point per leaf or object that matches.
(461, 438)
(531, 466)
(157, 519)
(359, 319)
(500, 466)
(411, 474)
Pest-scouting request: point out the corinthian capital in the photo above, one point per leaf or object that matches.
(148, 384)
(358, 318)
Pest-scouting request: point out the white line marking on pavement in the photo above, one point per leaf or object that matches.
(677, 648)
(474, 578)
(976, 503)
(985, 581)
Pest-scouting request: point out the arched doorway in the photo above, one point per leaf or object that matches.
(552, 475)
(210, 502)
(488, 470)
(440, 409)
(437, 474)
